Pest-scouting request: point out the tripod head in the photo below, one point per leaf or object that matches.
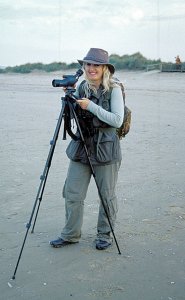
(68, 81)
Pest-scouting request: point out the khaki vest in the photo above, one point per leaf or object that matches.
(104, 146)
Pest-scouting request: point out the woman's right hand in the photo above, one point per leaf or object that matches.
(84, 102)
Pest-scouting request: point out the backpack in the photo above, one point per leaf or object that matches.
(125, 127)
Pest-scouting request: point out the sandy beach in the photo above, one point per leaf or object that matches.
(150, 227)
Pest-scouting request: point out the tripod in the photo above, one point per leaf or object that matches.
(67, 108)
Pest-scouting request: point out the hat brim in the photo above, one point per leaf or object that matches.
(111, 67)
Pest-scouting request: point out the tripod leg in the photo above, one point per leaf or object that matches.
(42, 183)
(43, 178)
(48, 164)
(93, 173)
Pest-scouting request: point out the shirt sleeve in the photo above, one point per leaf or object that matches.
(114, 117)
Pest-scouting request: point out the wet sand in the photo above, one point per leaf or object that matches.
(150, 227)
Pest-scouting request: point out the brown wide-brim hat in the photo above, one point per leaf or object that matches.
(98, 56)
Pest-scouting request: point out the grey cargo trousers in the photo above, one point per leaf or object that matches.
(74, 192)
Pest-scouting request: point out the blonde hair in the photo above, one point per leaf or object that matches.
(107, 82)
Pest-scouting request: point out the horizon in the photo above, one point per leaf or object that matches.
(37, 62)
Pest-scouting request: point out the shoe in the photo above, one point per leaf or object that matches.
(102, 245)
(60, 243)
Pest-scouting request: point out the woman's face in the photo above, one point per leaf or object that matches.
(94, 72)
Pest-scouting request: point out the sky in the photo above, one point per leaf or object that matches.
(64, 30)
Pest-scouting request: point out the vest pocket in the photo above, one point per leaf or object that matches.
(75, 150)
(107, 148)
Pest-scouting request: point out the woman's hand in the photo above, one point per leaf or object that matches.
(84, 102)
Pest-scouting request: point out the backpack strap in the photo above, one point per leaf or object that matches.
(81, 89)
(116, 80)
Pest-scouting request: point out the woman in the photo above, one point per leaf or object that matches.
(101, 110)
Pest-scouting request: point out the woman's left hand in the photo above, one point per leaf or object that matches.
(84, 102)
